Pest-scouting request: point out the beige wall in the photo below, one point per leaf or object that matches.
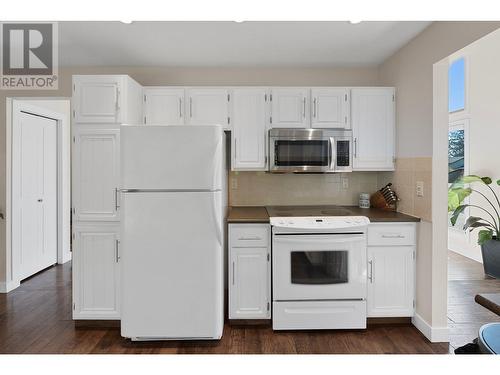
(185, 76)
(410, 70)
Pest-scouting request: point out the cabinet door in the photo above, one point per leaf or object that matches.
(330, 108)
(163, 106)
(290, 108)
(96, 171)
(97, 99)
(249, 277)
(96, 273)
(208, 107)
(391, 281)
(249, 129)
(373, 128)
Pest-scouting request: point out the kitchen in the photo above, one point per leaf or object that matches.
(282, 206)
(274, 130)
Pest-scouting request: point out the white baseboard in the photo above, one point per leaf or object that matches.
(66, 257)
(433, 334)
(6, 287)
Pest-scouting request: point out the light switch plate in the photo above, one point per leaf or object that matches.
(420, 188)
(234, 183)
(345, 183)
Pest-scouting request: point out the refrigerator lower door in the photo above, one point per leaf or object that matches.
(172, 265)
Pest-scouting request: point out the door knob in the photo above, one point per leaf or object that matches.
(40, 200)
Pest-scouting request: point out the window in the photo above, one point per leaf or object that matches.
(456, 86)
(458, 161)
(456, 154)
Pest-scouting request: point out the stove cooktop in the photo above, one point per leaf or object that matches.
(301, 211)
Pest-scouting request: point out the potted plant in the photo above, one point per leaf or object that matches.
(488, 225)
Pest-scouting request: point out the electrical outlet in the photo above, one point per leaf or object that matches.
(420, 188)
(345, 183)
(234, 183)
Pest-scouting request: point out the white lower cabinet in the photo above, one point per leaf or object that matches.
(249, 272)
(391, 279)
(96, 272)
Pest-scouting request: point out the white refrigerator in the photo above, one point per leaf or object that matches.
(173, 204)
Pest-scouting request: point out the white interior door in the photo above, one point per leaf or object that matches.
(35, 193)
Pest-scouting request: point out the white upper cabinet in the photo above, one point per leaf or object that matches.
(290, 107)
(373, 128)
(164, 106)
(330, 108)
(96, 172)
(208, 106)
(106, 99)
(249, 135)
(96, 272)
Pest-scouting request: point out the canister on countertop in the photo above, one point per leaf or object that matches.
(364, 200)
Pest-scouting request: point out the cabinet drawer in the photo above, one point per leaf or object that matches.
(391, 234)
(249, 235)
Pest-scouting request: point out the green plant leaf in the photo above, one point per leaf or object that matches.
(456, 196)
(471, 221)
(498, 182)
(471, 178)
(479, 225)
(486, 180)
(457, 212)
(484, 235)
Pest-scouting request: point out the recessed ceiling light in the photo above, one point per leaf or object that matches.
(128, 22)
(354, 22)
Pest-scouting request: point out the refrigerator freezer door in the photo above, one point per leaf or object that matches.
(172, 265)
(171, 157)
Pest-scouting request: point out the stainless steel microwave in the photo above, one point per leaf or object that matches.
(310, 150)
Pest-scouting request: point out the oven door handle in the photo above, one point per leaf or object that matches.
(333, 153)
(319, 239)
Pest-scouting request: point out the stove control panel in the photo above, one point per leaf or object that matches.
(321, 222)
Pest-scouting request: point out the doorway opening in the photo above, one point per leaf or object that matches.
(466, 118)
(38, 186)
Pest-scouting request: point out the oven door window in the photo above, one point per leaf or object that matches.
(301, 153)
(319, 267)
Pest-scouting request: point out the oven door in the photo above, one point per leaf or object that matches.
(301, 155)
(319, 267)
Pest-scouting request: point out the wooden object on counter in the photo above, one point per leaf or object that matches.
(489, 300)
(384, 199)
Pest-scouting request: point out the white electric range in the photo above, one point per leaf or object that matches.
(319, 272)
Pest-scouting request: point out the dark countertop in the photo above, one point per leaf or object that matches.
(254, 214)
(261, 214)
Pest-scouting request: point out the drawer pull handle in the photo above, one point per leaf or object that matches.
(370, 276)
(249, 238)
(393, 236)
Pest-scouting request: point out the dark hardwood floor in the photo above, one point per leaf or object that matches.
(36, 318)
(466, 279)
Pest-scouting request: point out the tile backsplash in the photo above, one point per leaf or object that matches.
(261, 188)
(408, 172)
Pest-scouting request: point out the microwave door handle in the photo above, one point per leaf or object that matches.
(333, 153)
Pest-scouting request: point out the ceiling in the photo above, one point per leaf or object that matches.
(232, 44)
